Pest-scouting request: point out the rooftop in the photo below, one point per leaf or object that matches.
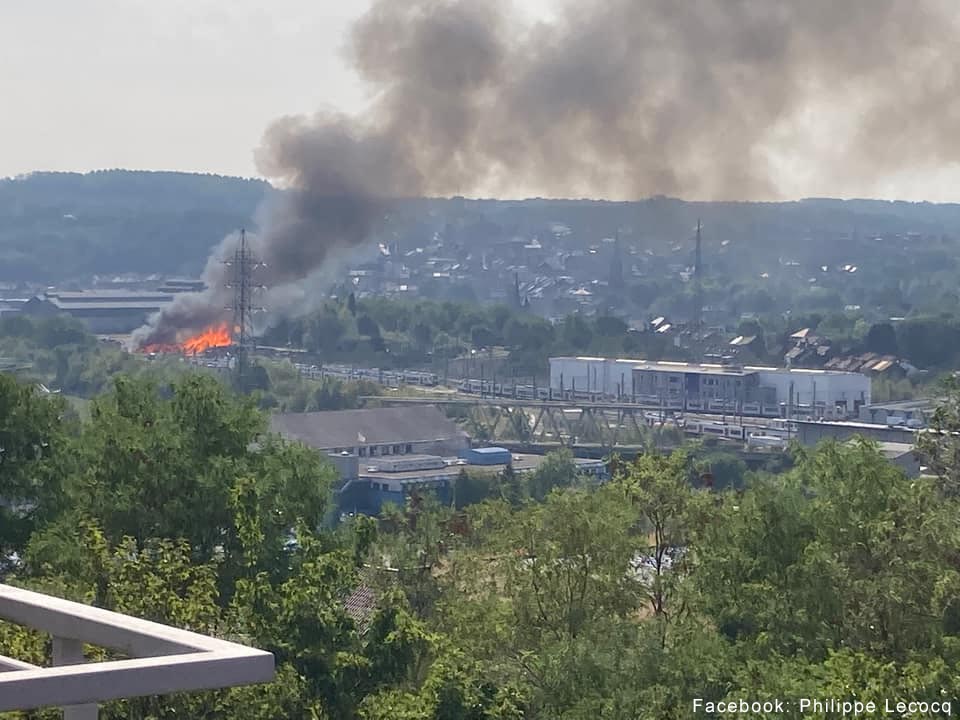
(110, 305)
(108, 295)
(924, 404)
(849, 424)
(377, 426)
(894, 450)
(521, 463)
(704, 368)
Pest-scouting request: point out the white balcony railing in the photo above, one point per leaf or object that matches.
(163, 659)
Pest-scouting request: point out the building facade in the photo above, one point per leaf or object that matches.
(708, 387)
(817, 393)
(700, 385)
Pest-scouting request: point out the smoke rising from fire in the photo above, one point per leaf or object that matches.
(713, 99)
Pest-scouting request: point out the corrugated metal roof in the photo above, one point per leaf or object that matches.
(376, 426)
(106, 305)
(110, 295)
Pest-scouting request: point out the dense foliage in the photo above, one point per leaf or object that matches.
(379, 332)
(60, 352)
(463, 340)
(550, 598)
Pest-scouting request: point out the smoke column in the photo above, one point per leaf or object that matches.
(714, 99)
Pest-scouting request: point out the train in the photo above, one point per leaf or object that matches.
(717, 430)
(392, 378)
(490, 388)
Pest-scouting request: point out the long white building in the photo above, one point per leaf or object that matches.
(713, 387)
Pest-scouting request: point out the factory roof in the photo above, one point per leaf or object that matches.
(490, 450)
(377, 426)
(894, 450)
(108, 295)
(852, 424)
(681, 367)
(800, 371)
(525, 462)
(923, 404)
(106, 305)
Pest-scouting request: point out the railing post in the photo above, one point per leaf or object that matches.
(70, 652)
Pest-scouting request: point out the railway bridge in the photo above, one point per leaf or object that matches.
(557, 423)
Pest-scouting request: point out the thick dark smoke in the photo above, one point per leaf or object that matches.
(714, 99)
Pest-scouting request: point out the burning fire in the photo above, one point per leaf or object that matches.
(213, 337)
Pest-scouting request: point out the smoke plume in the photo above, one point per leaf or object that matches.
(713, 99)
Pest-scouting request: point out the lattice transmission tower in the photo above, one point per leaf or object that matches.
(698, 288)
(244, 265)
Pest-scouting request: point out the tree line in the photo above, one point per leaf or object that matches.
(395, 333)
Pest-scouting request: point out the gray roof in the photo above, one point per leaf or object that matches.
(119, 305)
(923, 404)
(109, 295)
(377, 426)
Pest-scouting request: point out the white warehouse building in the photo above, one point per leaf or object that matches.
(612, 377)
(830, 393)
(700, 387)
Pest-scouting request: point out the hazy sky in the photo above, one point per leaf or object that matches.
(163, 84)
(192, 85)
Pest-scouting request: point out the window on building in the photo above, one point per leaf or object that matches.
(396, 449)
(362, 452)
(373, 450)
(409, 448)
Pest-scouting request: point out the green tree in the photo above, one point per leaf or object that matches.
(32, 439)
(881, 338)
(149, 467)
(558, 470)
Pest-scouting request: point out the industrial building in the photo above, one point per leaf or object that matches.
(817, 393)
(102, 311)
(382, 455)
(810, 432)
(912, 413)
(375, 432)
(896, 444)
(377, 485)
(752, 390)
(904, 456)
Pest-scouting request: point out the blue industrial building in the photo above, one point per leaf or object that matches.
(487, 456)
(384, 455)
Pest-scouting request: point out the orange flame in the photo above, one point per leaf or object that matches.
(213, 337)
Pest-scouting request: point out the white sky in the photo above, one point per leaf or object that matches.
(163, 84)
